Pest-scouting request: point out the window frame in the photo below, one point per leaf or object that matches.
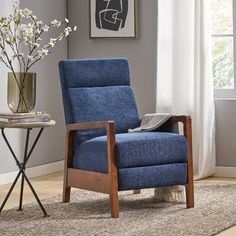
(229, 93)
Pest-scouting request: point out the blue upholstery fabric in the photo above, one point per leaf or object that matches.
(98, 90)
(91, 104)
(152, 176)
(132, 150)
(95, 72)
(91, 73)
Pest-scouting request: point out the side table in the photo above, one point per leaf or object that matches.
(27, 154)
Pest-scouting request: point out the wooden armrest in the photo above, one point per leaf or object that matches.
(90, 125)
(183, 119)
(187, 121)
(110, 131)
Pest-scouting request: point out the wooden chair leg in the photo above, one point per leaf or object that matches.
(66, 189)
(66, 194)
(67, 164)
(114, 203)
(189, 187)
(137, 191)
(189, 195)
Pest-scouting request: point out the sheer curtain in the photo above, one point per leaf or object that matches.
(184, 74)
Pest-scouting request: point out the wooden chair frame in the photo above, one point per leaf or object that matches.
(108, 183)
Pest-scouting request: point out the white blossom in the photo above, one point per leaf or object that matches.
(37, 45)
(43, 52)
(38, 31)
(56, 23)
(27, 12)
(67, 30)
(52, 42)
(34, 17)
(45, 28)
(39, 23)
(21, 30)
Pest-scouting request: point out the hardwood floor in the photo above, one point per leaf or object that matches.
(45, 186)
(51, 185)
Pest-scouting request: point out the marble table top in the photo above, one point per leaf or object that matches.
(27, 125)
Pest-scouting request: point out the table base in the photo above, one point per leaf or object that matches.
(21, 172)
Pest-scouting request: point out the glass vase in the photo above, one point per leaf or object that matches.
(21, 93)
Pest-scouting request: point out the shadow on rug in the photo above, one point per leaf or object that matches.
(89, 214)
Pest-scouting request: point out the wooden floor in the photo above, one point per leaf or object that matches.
(51, 185)
(45, 186)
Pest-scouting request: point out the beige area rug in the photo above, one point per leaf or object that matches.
(88, 214)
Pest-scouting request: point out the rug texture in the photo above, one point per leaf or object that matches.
(88, 214)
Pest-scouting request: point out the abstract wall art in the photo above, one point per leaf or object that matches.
(113, 18)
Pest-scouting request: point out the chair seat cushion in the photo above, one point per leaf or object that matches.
(132, 150)
(152, 176)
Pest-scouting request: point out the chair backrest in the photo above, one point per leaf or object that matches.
(98, 90)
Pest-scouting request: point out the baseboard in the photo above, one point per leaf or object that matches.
(227, 172)
(33, 171)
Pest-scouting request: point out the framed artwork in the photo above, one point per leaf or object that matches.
(113, 18)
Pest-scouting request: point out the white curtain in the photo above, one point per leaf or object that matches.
(184, 73)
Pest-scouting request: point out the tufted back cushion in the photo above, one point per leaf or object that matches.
(98, 90)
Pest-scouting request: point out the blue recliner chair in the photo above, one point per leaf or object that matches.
(101, 155)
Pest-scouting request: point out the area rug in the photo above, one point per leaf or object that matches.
(89, 214)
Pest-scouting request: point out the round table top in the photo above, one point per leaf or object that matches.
(28, 125)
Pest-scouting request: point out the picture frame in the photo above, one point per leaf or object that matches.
(113, 18)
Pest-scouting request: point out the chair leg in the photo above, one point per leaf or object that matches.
(66, 189)
(137, 191)
(189, 195)
(66, 194)
(114, 203)
(189, 186)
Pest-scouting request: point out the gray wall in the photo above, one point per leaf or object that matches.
(140, 52)
(225, 132)
(51, 146)
(6, 163)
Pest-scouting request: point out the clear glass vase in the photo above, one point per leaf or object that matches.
(21, 96)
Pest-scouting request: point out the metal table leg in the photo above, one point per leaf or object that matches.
(24, 163)
(21, 167)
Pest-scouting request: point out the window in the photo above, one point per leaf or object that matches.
(223, 42)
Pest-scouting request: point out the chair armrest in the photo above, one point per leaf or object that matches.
(187, 121)
(183, 119)
(110, 131)
(90, 125)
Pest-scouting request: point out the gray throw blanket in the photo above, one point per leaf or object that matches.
(151, 122)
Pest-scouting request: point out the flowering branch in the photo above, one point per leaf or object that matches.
(22, 31)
